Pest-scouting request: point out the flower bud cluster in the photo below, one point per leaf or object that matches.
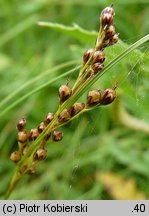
(26, 138)
(110, 37)
(94, 58)
(67, 114)
(101, 97)
(93, 63)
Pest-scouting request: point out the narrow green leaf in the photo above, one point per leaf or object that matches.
(34, 80)
(36, 90)
(74, 31)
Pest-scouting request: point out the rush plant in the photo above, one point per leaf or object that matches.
(32, 145)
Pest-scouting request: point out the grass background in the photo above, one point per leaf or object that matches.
(99, 157)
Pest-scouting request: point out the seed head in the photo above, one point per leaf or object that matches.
(97, 67)
(21, 124)
(64, 116)
(64, 93)
(108, 96)
(109, 32)
(47, 137)
(49, 118)
(41, 154)
(93, 97)
(114, 39)
(90, 73)
(87, 54)
(15, 156)
(98, 56)
(34, 133)
(57, 136)
(106, 19)
(109, 10)
(41, 127)
(32, 170)
(76, 108)
(22, 136)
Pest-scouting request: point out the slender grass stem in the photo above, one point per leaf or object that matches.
(34, 80)
(35, 90)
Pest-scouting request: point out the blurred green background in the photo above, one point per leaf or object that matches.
(104, 153)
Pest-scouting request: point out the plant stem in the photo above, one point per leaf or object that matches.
(15, 179)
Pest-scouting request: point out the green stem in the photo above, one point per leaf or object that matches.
(15, 179)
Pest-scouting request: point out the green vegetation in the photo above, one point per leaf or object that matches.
(105, 152)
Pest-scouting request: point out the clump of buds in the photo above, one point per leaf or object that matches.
(24, 138)
(110, 36)
(101, 97)
(93, 58)
(93, 63)
(76, 108)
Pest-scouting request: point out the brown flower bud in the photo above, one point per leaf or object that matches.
(87, 54)
(57, 135)
(47, 137)
(90, 74)
(97, 67)
(105, 44)
(76, 108)
(114, 39)
(22, 136)
(64, 93)
(32, 170)
(109, 10)
(109, 32)
(40, 154)
(98, 56)
(94, 97)
(64, 116)
(34, 133)
(15, 156)
(49, 118)
(106, 19)
(41, 127)
(108, 96)
(21, 124)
